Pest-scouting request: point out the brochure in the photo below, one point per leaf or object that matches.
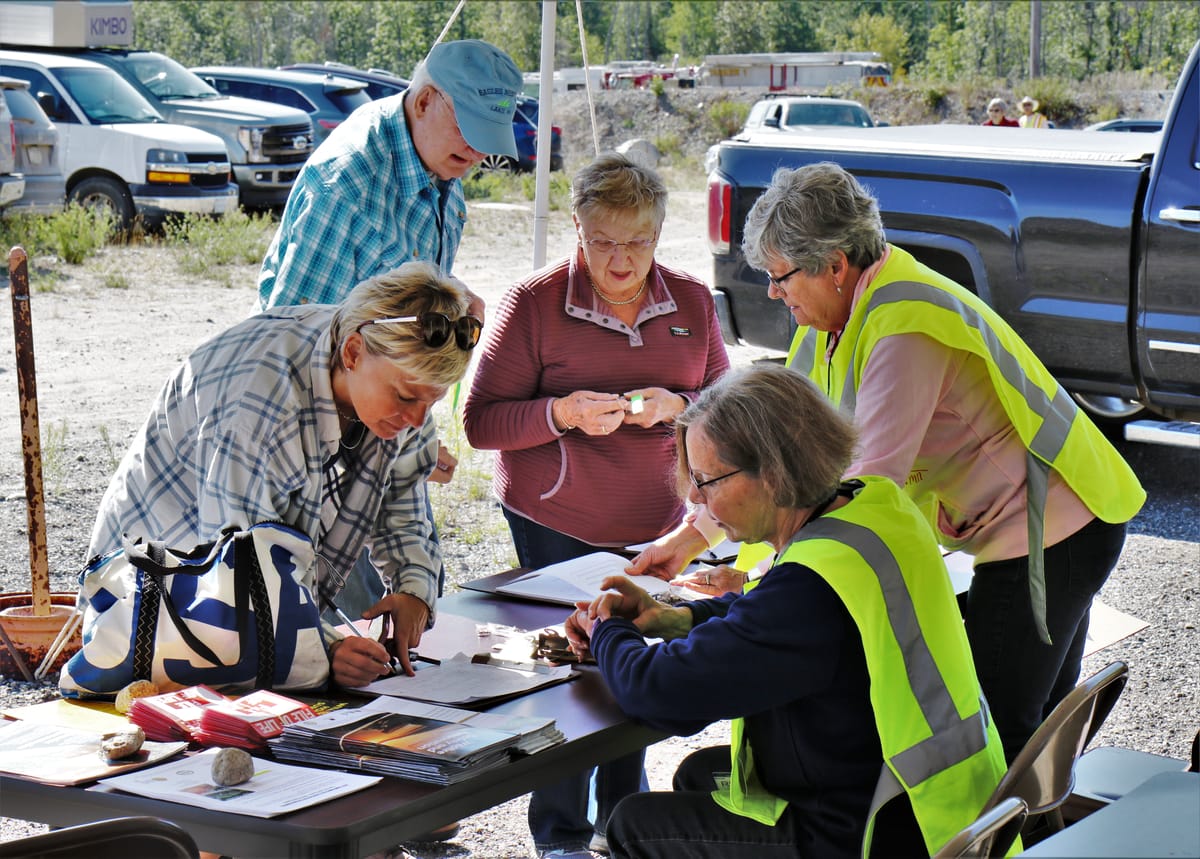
(413, 740)
(57, 755)
(274, 788)
(249, 721)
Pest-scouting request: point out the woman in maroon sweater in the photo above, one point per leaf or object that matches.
(587, 364)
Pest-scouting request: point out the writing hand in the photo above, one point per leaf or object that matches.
(443, 471)
(358, 661)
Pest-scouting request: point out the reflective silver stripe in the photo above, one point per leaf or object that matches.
(1057, 414)
(1037, 480)
(805, 358)
(953, 739)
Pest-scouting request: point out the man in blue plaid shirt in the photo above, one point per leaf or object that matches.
(384, 189)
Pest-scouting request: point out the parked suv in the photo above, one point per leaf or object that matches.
(381, 84)
(117, 151)
(327, 99)
(793, 112)
(12, 183)
(37, 147)
(267, 142)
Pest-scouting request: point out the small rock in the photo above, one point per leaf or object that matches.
(232, 766)
(122, 744)
(136, 689)
(641, 152)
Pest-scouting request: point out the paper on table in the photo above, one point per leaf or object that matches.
(567, 582)
(274, 789)
(460, 681)
(56, 755)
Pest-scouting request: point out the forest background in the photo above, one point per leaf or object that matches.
(935, 41)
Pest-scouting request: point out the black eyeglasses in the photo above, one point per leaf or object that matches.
(700, 484)
(778, 281)
(436, 329)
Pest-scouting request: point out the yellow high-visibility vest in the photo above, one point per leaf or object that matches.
(939, 743)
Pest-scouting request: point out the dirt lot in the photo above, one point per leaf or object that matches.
(103, 350)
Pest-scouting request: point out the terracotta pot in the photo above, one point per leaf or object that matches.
(32, 635)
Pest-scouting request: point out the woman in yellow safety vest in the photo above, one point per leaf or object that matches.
(956, 409)
(858, 718)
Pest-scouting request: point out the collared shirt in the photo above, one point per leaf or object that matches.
(362, 205)
(241, 434)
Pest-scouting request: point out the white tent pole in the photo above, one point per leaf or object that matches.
(449, 24)
(587, 75)
(541, 197)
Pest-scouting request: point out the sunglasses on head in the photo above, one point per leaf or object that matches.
(436, 329)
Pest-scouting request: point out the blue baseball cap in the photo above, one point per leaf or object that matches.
(483, 82)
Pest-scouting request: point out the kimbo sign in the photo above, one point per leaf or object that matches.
(67, 23)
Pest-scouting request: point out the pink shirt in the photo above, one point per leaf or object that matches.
(929, 418)
(550, 337)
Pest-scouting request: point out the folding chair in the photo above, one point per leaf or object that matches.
(120, 838)
(1043, 772)
(991, 834)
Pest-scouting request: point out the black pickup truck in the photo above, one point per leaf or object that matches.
(1086, 242)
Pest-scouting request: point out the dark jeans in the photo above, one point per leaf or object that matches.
(687, 822)
(1022, 677)
(558, 816)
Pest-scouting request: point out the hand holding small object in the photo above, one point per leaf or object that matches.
(646, 407)
(714, 580)
(590, 412)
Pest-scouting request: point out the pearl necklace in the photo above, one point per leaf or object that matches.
(611, 301)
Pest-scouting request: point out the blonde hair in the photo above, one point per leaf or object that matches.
(773, 424)
(410, 290)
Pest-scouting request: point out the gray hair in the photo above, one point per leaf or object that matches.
(772, 423)
(613, 183)
(421, 79)
(410, 290)
(997, 102)
(808, 214)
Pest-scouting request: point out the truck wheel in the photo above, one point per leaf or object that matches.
(1111, 412)
(104, 194)
(496, 164)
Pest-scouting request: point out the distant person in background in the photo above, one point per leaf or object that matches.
(996, 110)
(1030, 118)
(589, 362)
(383, 189)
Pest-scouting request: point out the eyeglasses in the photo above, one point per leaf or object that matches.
(609, 247)
(700, 484)
(778, 281)
(436, 329)
(995, 110)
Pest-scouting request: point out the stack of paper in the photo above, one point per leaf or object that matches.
(53, 754)
(173, 715)
(409, 739)
(250, 721)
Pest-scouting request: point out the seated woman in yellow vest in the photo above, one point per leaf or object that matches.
(955, 408)
(845, 669)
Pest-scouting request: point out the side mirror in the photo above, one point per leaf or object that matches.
(882, 124)
(771, 122)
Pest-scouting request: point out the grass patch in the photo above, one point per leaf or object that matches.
(72, 235)
(235, 239)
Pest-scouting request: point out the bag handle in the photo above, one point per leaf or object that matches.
(249, 587)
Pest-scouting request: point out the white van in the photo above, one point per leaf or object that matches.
(116, 150)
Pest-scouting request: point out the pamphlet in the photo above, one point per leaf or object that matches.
(725, 552)
(173, 715)
(250, 721)
(56, 755)
(568, 582)
(274, 788)
(463, 680)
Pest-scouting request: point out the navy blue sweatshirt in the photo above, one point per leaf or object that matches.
(787, 656)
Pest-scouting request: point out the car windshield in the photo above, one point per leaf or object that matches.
(106, 97)
(827, 114)
(167, 79)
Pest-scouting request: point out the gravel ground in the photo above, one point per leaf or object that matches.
(109, 332)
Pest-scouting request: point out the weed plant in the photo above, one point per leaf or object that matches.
(203, 242)
(72, 235)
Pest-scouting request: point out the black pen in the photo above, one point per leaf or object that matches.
(394, 665)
